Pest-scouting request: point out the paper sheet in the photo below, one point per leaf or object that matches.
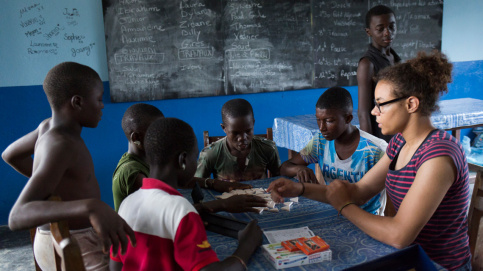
(288, 234)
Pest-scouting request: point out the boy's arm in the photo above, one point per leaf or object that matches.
(32, 208)
(274, 163)
(297, 167)
(19, 154)
(365, 72)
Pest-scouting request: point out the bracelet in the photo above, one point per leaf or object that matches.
(241, 261)
(206, 186)
(303, 189)
(345, 205)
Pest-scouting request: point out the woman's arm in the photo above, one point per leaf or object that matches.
(297, 167)
(365, 72)
(423, 198)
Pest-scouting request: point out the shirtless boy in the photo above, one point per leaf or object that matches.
(63, 166)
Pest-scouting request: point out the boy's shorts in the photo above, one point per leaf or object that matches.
(89, 243)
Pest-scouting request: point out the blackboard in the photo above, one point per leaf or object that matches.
(160, 49)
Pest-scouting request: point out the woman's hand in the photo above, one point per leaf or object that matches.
(338, 193)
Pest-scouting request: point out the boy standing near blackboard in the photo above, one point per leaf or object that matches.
(62, 166)
(381, 27)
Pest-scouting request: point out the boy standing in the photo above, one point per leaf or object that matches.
(170, 233)
(62, 166)
(342, 151)
(381, 27)
(240, 156)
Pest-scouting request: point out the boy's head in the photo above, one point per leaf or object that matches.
(381, 26)
(136, 121)
(171, 145)
(68, 79)
(238, 121)
(334, 112)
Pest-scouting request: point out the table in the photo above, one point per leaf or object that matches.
(350, 246)
(295, 132)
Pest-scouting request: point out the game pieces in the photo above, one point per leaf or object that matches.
(260, 192)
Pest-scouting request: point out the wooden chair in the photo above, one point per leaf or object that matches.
(475, 213)
(207, 140)
(68, 246)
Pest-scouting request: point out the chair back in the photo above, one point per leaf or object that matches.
(475, 213)
(68, 246)
(207, 139)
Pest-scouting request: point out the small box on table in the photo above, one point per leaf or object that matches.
(280, 257)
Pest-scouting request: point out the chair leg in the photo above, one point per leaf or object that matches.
(33, 231)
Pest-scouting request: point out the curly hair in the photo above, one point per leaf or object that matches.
(425, 77)
(68, 79)
(138, 117)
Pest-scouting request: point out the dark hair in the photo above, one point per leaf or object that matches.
(335, 98)
(68, 79)
(236, 108)
(167, 137)
(138, 117)
(376, 11)
(425, 77)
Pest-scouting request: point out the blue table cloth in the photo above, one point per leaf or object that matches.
(350, 246)
(295, 132)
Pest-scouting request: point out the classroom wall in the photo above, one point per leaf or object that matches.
(23, 104)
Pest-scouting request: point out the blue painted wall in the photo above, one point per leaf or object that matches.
(23, 104)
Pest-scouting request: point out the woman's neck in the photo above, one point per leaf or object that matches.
(417, 130)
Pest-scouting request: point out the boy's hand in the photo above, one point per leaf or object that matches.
(283, 188)
(242, 203)
(111, 228)
(227, 186)
(306, 175)
(250, 236)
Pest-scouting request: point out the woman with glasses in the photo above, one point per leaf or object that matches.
(424, 170)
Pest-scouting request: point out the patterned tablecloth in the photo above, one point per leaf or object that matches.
(349, 245)
(295, 132)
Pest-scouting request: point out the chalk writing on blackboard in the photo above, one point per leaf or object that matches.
(193, 48)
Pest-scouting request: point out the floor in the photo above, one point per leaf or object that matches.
(15, 250)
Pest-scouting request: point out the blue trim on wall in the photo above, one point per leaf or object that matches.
(23, 108)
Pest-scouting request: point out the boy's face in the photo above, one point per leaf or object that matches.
(93, 105)
(239, 132)
(382, 30)
(332, 122)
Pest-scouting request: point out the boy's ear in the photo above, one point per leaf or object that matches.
(367, 32)
(222, 126)
(136, 137)
(182, 160)
(348, 118)
(76, 102)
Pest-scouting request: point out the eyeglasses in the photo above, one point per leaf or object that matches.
(388, 102)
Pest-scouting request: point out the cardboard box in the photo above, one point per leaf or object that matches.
(280, 257)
